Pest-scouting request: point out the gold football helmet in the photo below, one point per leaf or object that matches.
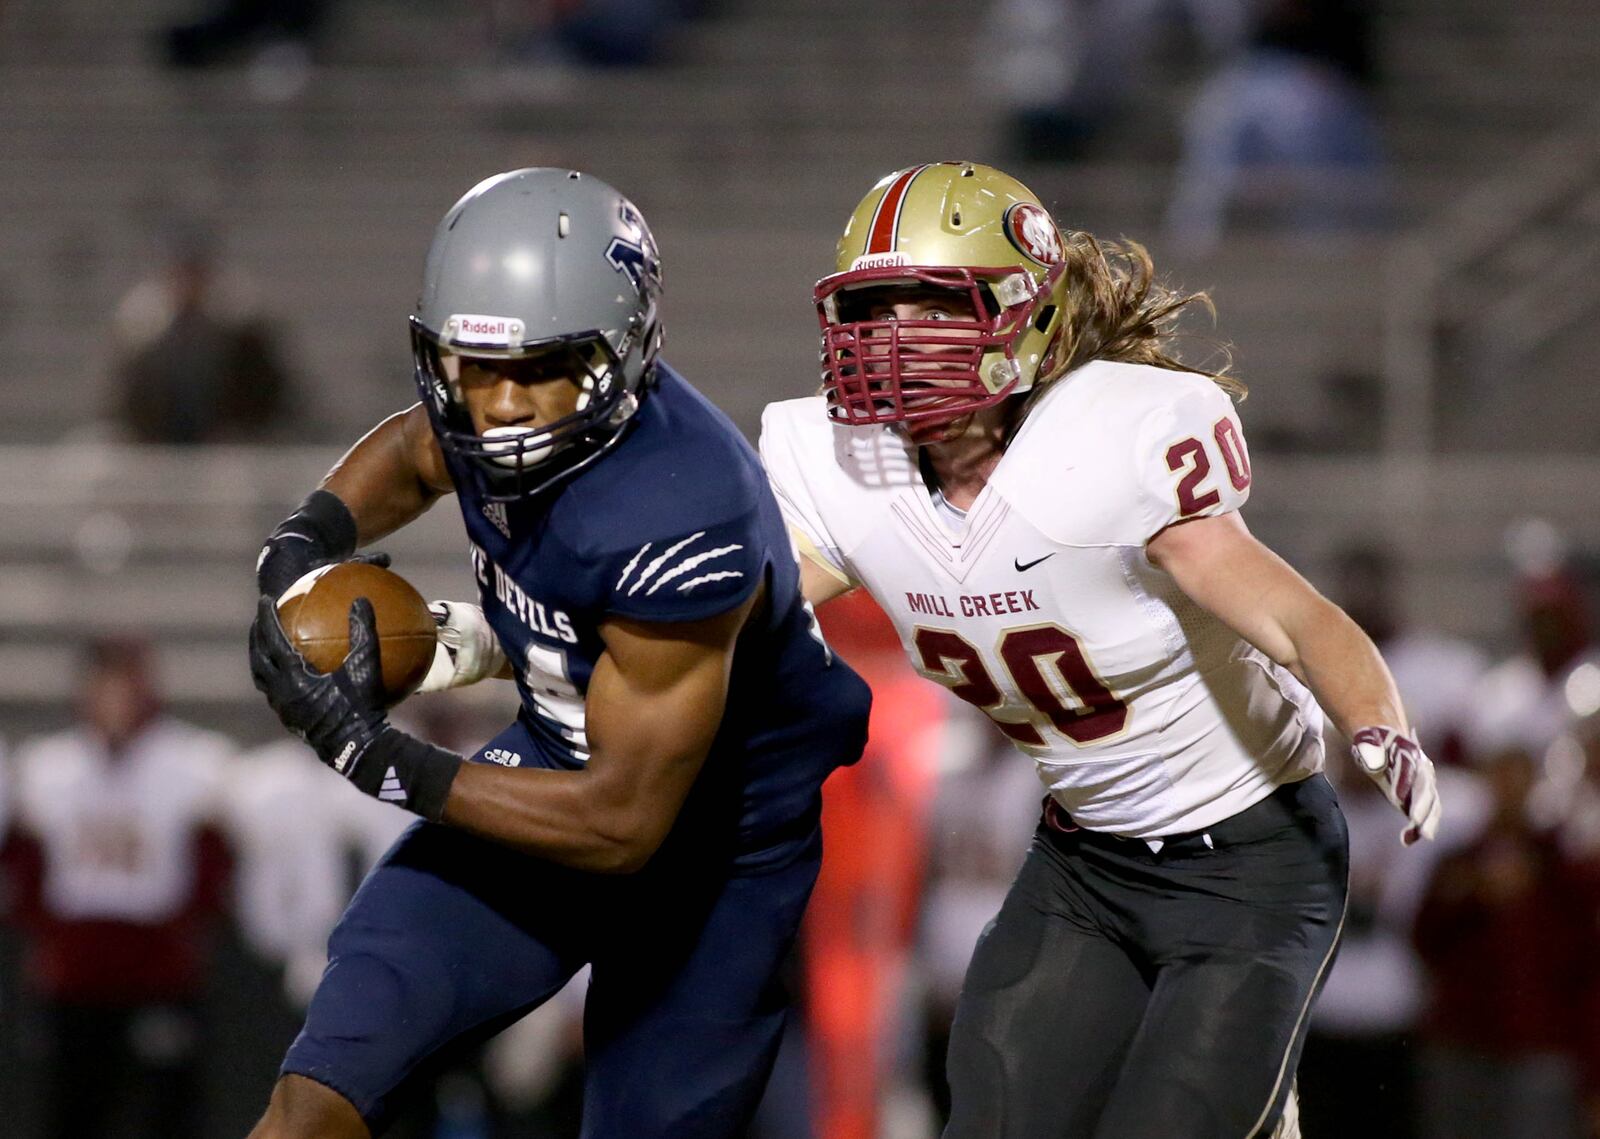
(943, 225)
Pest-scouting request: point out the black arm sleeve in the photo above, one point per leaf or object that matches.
(321, 531)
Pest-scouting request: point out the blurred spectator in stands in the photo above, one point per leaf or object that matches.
(616, 33)
(5, 806)
(1363, 1026)
(194, 361)
(1285, 138)
(1572, 771)
(1581, 841)
(1435, 672)
(1509, 946)
(118, 877)
(227, 27)
(1525, 700)
(543, 48)
(1063, 69)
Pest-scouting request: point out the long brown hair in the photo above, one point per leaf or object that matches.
(1120, 311)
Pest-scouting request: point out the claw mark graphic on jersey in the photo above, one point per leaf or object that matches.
(691, 562)
(632, 562)
(720, 575)
(688, 564)
(659, 560)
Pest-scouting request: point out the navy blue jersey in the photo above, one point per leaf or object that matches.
(676, 524)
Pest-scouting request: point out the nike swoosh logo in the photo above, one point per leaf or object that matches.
(1020, 566)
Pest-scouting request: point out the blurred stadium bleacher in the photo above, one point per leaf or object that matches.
(745, 148)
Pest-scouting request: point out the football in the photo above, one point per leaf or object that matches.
(315, 613)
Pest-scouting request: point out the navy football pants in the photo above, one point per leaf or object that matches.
(451, 938)
(1128, 994)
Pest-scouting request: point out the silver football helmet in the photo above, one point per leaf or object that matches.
(531, 262)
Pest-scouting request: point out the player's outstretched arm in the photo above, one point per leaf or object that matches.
(654, 704)
(388, 478)
(1222, 567)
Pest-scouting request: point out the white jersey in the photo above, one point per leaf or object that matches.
(291, 829)
(1145, 715)
(119, 834)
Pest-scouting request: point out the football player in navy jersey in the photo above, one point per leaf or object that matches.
(653, 810)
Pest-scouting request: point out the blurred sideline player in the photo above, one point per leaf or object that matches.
(1046, 504)
(119, 875)
(653, 812)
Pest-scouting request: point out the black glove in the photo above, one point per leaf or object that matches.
(322, 531)
(340, 714)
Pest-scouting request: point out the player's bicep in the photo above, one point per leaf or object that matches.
(426, 456)
(654, 704)
(1222, 567)
(392, 474)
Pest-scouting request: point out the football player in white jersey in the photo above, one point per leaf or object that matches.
(1045, 501)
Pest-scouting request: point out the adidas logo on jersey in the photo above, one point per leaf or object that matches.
(495, 512)
(391, 791)
(503, 757)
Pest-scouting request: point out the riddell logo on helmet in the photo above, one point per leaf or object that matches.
(474, 328)
(879, 261)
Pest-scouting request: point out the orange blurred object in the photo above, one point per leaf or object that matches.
(861, 922)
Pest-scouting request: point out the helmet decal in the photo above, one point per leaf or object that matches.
(879, 261)
(480, 329)
(638, 259)
(1031, 230)
(884, 232)
(628, 257)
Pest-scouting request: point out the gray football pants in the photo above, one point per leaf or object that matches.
(1122, 993)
